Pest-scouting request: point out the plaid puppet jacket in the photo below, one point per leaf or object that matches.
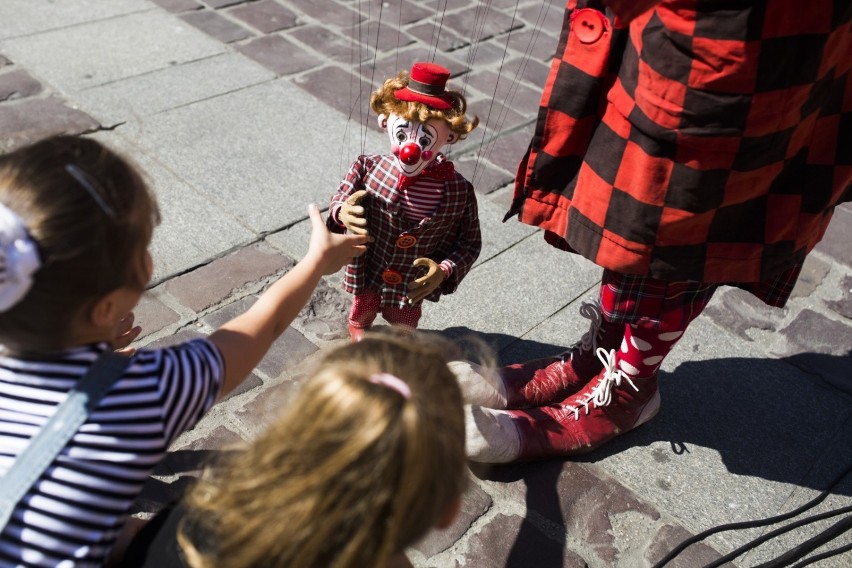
(451, 233)
(707, 141)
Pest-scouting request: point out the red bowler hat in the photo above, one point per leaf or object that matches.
(426, 84)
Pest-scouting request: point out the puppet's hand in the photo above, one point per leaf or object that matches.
(426, 284)
(351, 214)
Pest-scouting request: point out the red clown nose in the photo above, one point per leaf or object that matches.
(409, 154)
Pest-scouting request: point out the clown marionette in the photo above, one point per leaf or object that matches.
(421, 213)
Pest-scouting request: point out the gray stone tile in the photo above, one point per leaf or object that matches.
(836, 241)
(216, 26)
(267, 16)
(258, 413)
(344, 91)
(471, 18)
(813, 332)
(340, 15)
(384, 38)
(218, 4)
(813, 273)
(24, 122)
(102, 51)
(185, 334)
(172, 87)
(27, 17)
(279, 55)
(843, 306)
(740, 312)
(264, 166)
(213, 283)
(185, 238)
(484, 176)
(177, 6)
(512, 540)
(153, 315)
(511, 293)
(447, 40)
(331, 44)
(475, 502)
(18, 84)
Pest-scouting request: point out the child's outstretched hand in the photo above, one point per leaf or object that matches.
(330, 250)
(125, 333)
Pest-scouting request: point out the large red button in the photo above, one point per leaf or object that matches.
(588, 24)
(406, 240)
(392, 277)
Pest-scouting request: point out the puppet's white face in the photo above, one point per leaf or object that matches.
(416, 144)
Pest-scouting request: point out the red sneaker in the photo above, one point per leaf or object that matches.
(600, 411)
(552, 379)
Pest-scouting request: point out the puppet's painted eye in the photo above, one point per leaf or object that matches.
(400, 136)
(424, 141)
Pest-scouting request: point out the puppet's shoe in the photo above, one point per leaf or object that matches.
(356, 334)
(609, 406)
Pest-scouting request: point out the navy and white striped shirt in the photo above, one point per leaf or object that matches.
(71, 517)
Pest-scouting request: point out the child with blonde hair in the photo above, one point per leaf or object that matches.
(365, 460)
(76, 220)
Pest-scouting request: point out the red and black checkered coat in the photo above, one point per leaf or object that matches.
(711, 144)
(451, 233)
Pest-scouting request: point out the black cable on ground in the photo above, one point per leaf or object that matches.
(811, 544)
(823, 555)
(751, 524)
(779, 531)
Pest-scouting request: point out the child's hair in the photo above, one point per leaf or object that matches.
(383, 101)
(91, 216)
(354, 471)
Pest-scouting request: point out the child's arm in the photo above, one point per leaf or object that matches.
(244, 340)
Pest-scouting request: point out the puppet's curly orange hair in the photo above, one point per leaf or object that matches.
(383, 101)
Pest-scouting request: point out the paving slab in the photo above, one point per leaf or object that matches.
(171, 87)
(263, 166)
(27, 17)
(92, 53)
(511, 293)
(187, 235)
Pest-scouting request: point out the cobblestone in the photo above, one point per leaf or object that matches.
(216, 26)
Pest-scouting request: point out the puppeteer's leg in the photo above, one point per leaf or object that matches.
(623, 396)
(546, 380)
(365, 306)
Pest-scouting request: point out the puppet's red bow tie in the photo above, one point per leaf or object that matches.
(443, 172)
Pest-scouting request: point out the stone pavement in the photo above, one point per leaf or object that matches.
(243, 112)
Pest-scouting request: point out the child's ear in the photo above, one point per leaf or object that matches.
(103, 311)
(383, 121)
(450, 514)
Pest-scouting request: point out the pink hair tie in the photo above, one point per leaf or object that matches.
(392, 382)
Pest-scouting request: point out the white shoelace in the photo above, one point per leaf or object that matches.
(592, 312)
(601, 394)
